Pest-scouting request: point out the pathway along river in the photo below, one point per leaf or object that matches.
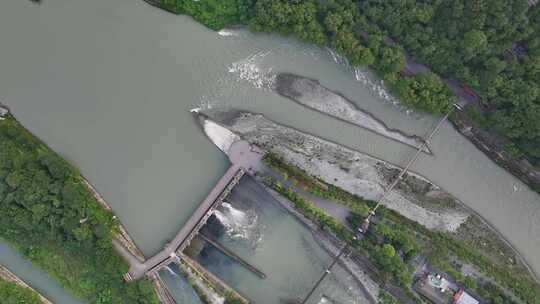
(109, 85)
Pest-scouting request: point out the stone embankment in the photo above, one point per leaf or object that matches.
(121, 235)
(310, 93)
(162, 292)
(127, 249)
(11, 277)
(494, 147)
(351, 170)
(195, 269)
(490, 142)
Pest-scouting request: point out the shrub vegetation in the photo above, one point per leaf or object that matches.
(11, 293)
(493, 46)
(49, 215)
(393, 241)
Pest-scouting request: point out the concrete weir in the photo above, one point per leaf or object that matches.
(233, 256)
(174, 248)
(244, 157)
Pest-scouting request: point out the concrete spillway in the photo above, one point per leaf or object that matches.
(243, 156)
(192, 227)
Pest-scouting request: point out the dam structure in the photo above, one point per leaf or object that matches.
(244, 157)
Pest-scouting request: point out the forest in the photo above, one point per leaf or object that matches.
(492, 46)
(50, 216)
(11, 293)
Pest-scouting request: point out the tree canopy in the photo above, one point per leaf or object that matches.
(492, 46)
(52, 218)
(11, 293)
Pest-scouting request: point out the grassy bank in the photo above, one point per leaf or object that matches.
(48, 214)
(393, 234)
(11, 293)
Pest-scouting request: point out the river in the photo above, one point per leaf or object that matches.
(36, 278)
(109, 84)
(254, 228)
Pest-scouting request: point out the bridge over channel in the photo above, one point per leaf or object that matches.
(242, 156)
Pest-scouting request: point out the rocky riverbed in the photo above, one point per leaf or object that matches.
(310, 93)
(353, 171)
(415, 197)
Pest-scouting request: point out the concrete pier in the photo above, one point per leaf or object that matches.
(233, 256)
(212, 280)
(182, 239)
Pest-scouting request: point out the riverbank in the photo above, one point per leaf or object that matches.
(8, 276)
(214, 289)
(494, 147)
(120, 234)
(61, 226)
(412, 82)
(353, 171)
(364, 277)
(311, 94)
(126, 247)
(366, 177)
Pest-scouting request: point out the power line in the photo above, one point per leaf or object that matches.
(409, 164)
(413, 159)
(326, 272)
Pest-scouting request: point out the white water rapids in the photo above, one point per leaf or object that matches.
(239, 224)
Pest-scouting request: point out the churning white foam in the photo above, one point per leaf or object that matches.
(239, 225)
(249, 69)
(361, 75)
(337, 58)
(228, 33)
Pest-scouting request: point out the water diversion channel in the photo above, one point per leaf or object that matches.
(109, 85)
(253, 225)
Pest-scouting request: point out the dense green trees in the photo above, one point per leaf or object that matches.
(424, 91)
(11, 293)
(398, 238)
(49, 215)
(492, 45)
(337, 24)
(215, 14)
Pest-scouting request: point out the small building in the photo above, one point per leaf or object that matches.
(462, 297)
(436, 288)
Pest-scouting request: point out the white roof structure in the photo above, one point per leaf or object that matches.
(466, 298)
